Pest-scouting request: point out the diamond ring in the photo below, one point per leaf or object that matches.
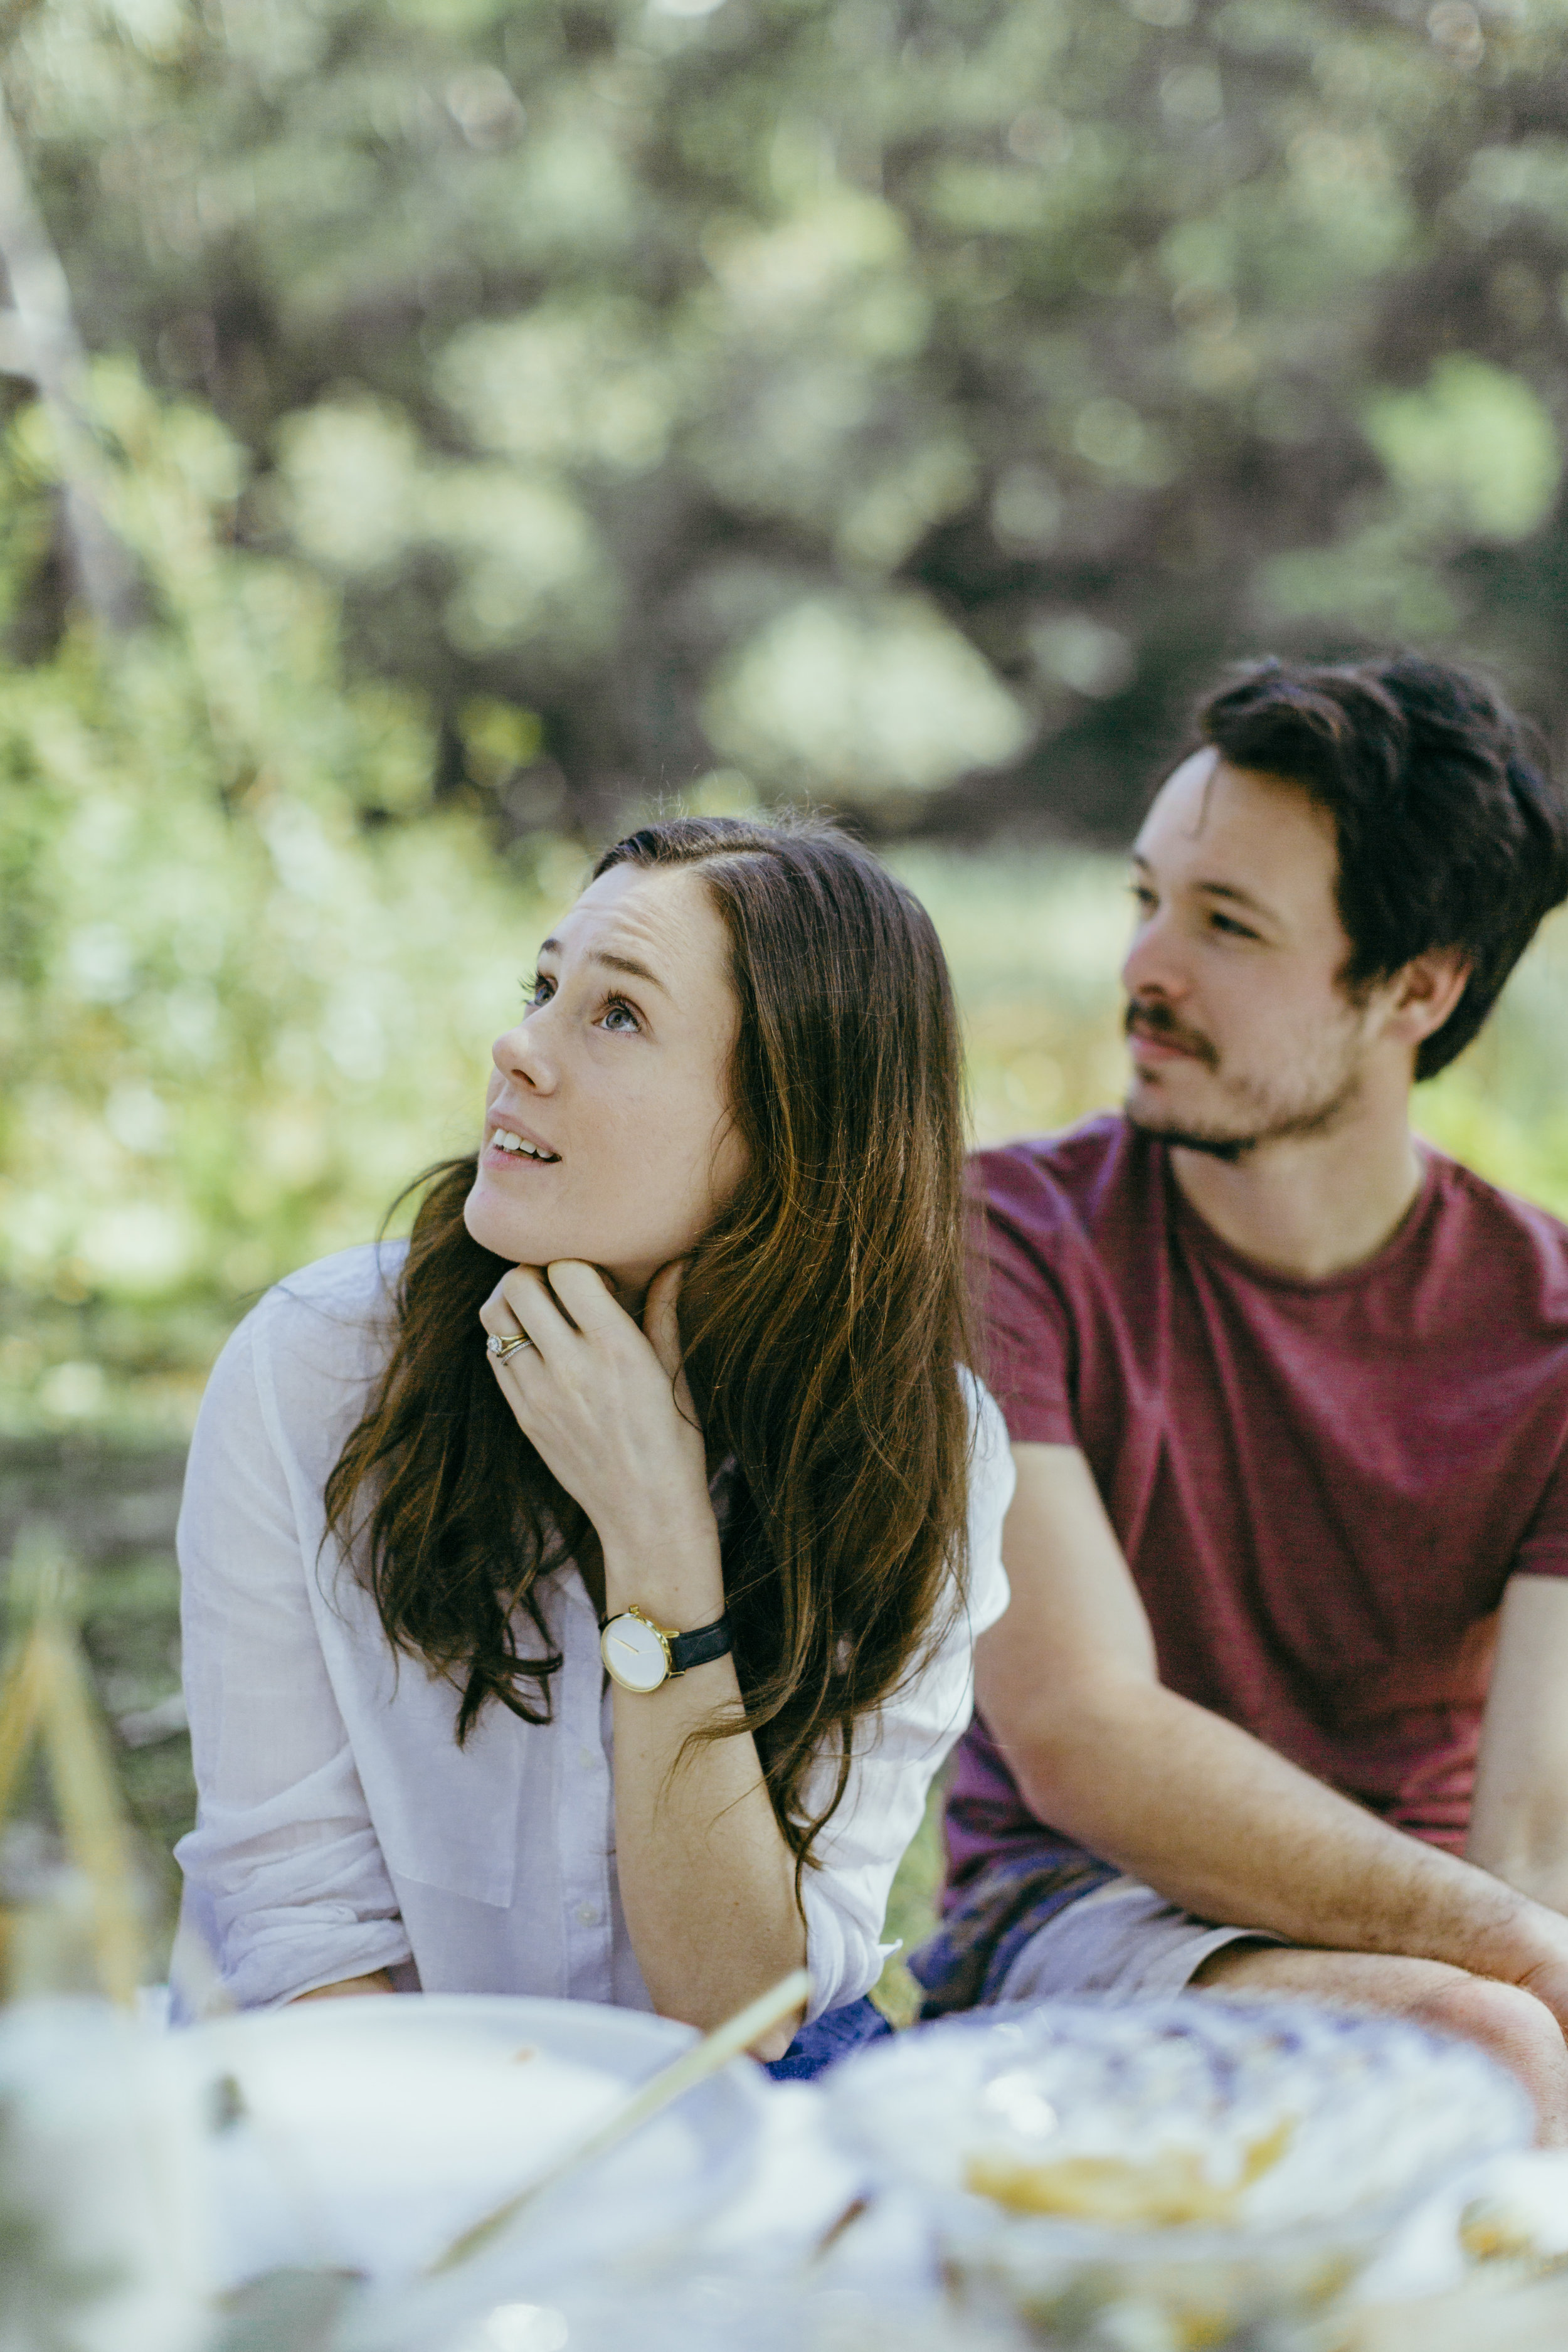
(501, 1349)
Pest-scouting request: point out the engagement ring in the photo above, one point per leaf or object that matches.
(501, 1349)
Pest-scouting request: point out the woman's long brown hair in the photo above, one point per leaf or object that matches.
(822, 1321)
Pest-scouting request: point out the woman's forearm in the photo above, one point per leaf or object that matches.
(377, 1982)
(707, 1881)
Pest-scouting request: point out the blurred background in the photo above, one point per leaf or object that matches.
(433, 432)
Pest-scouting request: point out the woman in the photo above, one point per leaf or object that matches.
(580, 1601)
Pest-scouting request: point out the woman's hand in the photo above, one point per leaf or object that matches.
(607, 1407)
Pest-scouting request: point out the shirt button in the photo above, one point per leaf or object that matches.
(589, 1913)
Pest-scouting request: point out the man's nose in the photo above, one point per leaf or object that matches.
(1153, 966)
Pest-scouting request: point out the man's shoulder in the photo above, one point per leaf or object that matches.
(1487, 1225)
(1071, 1177)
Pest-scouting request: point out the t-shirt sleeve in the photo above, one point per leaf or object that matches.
(1544, 1551)
(1025, 1330)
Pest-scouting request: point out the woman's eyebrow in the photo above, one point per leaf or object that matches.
(614, 962)
(628, 964)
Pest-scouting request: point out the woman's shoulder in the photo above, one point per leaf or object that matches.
(315, 1340)
(347, 1302)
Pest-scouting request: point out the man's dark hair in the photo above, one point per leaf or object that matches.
(1449, 835)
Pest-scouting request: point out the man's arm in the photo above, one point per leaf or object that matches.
(1188, 1802)
(1519, 1822)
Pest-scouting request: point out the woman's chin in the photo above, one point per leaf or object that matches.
(505, 1230)
(496, 1226)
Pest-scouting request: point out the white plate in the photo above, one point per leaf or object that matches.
(367, 2133)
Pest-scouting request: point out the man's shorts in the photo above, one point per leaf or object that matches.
(1045, 1926)
(1122, 1940)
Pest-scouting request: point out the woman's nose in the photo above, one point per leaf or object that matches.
(522, 1054)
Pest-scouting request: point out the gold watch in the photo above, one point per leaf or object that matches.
(640, 1655)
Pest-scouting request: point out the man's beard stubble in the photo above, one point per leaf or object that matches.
(1264, 1115)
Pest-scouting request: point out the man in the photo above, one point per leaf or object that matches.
(1288, 1398)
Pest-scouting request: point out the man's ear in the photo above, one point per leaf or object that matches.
(1426, 993)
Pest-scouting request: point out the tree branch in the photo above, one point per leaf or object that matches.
(38, 342)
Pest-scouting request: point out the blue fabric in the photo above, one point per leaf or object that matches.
(965, 1963)
(830, 2037)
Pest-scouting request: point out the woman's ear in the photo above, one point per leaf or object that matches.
(1426, 993)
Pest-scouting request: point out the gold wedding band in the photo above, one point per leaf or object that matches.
(501, 1349)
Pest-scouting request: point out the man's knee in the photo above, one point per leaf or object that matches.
(1510, 2025)
(1515, 2028)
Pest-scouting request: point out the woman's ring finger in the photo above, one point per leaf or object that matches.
(501, 1349)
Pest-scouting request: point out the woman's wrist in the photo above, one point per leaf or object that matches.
(672, 1571)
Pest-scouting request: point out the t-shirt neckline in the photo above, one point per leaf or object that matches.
(1196, 1228)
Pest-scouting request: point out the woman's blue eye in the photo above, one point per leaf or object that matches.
(537, 990)
(617, 1012)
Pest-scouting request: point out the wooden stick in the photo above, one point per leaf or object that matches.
(19, 1694)
(90, 1814)
(693, 2066)
(46, 1697)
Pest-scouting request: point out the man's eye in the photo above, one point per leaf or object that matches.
(1231, 929)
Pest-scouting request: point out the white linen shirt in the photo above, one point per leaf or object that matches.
(341, 1829)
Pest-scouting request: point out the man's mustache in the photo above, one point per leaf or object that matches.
(1157, 1021)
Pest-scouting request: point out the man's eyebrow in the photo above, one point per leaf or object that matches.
(614, 962)
(1226, 890)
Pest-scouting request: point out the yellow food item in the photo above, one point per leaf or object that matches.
(1490, 2232)
(1174, 2189)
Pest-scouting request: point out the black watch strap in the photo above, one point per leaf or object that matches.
(698, 1649)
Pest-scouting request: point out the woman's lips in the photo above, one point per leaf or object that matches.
(507, 1149)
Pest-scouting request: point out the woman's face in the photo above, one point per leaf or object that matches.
(616, 1081)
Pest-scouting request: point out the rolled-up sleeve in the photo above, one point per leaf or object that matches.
(283, 1863)
(845, 1898)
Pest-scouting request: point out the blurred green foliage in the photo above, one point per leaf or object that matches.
(244, 969)
(249, 972)
(908, 401)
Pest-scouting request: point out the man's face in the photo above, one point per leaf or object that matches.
(1239, 1029)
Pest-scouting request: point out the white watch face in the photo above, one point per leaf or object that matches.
(633, 1654)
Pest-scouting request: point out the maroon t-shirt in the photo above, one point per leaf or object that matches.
(1322, 1487)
